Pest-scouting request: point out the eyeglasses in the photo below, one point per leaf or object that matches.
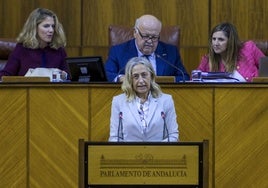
(148, 37)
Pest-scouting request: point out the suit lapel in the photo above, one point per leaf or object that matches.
(133, 109)
(161, 65)
(152, 109)
(130, 50)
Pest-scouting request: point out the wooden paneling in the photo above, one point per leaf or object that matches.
(241, 130)
(73, 51)
(190, 15)
(191, 61)
(100, 105)
(41, 126)
(193, 107)
(13, 144)
(250, 17)
(13, 17)
(102, 51)
(14, 14)
(59, 117)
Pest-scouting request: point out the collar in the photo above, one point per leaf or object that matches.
(140, 54)
(138, 100)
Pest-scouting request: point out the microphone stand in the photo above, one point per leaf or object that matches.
(165, 129)
(170, 64)
(120, 135)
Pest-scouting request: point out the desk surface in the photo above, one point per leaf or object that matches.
(111, 84)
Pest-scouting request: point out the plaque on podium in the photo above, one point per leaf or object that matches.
(113, 164)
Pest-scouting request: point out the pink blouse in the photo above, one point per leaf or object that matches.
(247, 65)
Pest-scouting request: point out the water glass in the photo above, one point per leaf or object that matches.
(59, 76)
(196, 75)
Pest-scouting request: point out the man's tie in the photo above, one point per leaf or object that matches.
(152, 61)
(147, 57)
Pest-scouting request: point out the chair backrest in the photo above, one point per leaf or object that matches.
(262, 45)
(119, 34)
(6, 47)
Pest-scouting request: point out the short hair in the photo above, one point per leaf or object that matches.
(147, 18)
(127, 85)
(28, 35)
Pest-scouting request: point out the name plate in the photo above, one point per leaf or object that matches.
(143, 164)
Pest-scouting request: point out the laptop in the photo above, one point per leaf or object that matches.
(263, 67)
(86, 69)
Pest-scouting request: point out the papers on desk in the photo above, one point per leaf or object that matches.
(221, 80)
(40, 72)
(218, 77)
(215, 75)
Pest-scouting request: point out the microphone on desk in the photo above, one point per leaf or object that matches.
(165, 129)
(120, 135)
(170, 64)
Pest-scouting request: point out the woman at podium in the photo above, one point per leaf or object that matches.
(143, 113)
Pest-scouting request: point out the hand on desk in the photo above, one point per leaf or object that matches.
(120, 78)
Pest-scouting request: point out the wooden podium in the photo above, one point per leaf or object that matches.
(139, 164)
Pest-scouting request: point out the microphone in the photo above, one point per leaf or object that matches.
(170, 64)
(120, 135)
(165, 129)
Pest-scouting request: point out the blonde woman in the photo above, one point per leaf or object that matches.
(142, 113)
(40, 44)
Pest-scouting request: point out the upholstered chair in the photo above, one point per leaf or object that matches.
(119, 34)
(6, 47)
(262, 45)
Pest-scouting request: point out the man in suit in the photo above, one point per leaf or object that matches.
(165, 58)
(143, 112)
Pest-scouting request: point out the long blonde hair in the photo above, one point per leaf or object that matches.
(28, 35)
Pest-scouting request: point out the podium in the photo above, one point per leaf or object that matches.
(143, 164)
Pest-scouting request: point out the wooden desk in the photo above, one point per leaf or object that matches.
(41, 123)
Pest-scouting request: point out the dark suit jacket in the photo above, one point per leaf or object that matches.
(165, 54)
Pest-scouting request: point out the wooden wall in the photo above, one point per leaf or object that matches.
(86, 21)
(41, 124)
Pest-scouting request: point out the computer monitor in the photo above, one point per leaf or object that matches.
(86, 69)
(263, 67)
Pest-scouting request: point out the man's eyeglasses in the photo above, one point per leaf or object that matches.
(148, 37)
